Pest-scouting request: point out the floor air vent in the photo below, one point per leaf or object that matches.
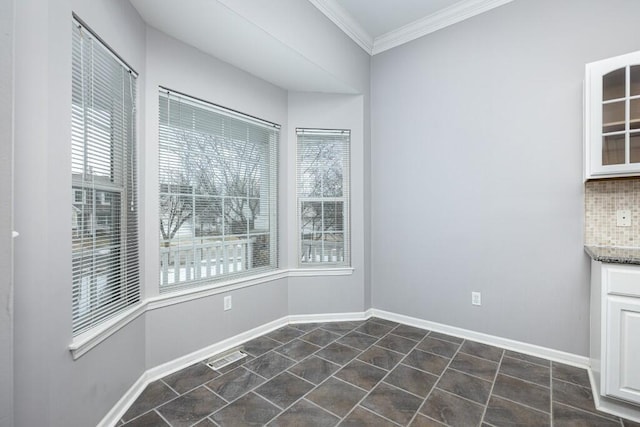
(219, 362)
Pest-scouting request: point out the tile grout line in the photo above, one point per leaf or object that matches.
(458, 396)
(597, 413)
(521, 404)
(303, 397)
(402, 362)
(266, 380)
(526, 361)
(282, 411)
(372, 412)
(162, 417)
(551, 421)
(526, 381)
(493, 383)
(216, 394)
(586, 412)
(435, 385)
(382, 380)
(471, 375)
(157, 406)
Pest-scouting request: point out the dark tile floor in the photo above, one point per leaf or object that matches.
(371, 373)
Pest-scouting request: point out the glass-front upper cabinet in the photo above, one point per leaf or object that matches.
(612, 103)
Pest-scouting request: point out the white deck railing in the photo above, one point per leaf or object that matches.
(322, 251)
(204, 259)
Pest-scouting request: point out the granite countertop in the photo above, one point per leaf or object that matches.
(614, 254)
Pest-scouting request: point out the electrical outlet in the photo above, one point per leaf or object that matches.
(227, 303)
(623, 218)
(476, 298)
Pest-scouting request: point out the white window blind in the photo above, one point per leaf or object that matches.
(323, 196)
(218, 189)
(104, 209)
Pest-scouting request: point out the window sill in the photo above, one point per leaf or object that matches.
(320, 271)
(180, 296)
(84, 342)
(94, 336)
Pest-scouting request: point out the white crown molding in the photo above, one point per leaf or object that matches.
(339, 16)
(448, 16)
(443, 18)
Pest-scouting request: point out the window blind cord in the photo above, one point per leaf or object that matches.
(85, 143)
(132, 135)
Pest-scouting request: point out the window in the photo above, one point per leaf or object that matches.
(78, 196)
(323, 196)
(103, 168)
(218, 172)
(104, 198)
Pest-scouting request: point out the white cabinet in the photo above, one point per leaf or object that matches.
(615, 330)
(612, 117)
(622, 373)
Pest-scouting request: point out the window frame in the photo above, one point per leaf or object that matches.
(92, 304)
(345, 199)
(269, 162)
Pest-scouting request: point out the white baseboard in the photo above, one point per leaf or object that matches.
(153, 374)
(521, 347)
(118, 410)
(219, 347)
(327, 317)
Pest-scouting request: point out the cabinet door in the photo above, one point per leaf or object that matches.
(623, 348)
(612, 101)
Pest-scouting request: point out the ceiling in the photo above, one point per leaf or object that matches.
(235, 30)
(379, 25)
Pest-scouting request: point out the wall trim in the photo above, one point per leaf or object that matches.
(343, 19)
(453, 14)
(327, 317)
(321, 271)
(443, 18)
(113, 416)
(153, 374)
(91, 338)
(219, 347)
(178, 297)
(84, 342)
(519, 346)
(611, 406)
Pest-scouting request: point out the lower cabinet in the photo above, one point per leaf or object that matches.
(615, 330)
(622, 371)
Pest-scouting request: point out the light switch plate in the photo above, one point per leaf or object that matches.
(623, 218)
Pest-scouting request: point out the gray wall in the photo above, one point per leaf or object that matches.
(308, 32)
(181, 329)
(51, 388)
(477, 168)
(178, 330)
(328, 294)
(6, 208)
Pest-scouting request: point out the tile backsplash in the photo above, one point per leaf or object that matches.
(603, 198)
